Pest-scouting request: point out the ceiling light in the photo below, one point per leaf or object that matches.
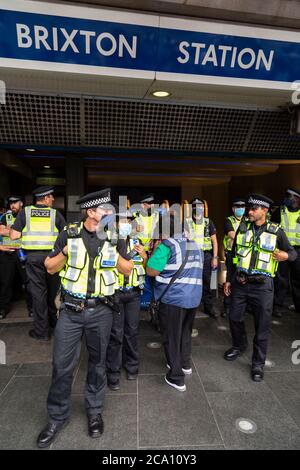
(30, 150)
(47, 166)
(161, 94)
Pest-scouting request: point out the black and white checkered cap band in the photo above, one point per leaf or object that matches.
(50, 191)
(258, 202)
(294, 193)
(95, 202)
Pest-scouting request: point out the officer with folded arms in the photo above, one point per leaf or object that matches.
(257, 248)
(86, 257)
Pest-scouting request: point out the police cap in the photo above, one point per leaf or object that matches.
(293, 192)
(14, 198)
(238, 201)
(148, 199)
(42, 191)
(93, 200)
(259, 200)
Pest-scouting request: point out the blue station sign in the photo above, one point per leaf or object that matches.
(88, 40)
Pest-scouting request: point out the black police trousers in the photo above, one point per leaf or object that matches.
(43, 288)
(176, 325)
(123, 344)
(288, 274)
(95, 324)
(207, 297)
(10, 265)
(259, 296)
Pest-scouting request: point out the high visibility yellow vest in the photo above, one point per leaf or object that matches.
(200, 233)
(75, 274)
(290, 222)
(137, 276)
(263, 247)
(10, 220)
(235, 224)
(149, 224)
(40, 232)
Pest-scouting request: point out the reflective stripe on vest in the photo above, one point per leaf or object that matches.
(290, 222)
(10, 220)
(200, 233)
(264, 247)
(186, 291)
(149, 224)
(75, 274)
(40, 232)
(235, 224)
(137, 276)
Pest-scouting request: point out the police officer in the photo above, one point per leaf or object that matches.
(288, 216)
(257, 248)
(176, 264)
(146, 221)
(10, 261)
(123, 344)
(203, 231)
(39, 226)
(230, 227)
(88, 263)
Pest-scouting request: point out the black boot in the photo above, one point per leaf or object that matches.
(232, 354)
(49, 433)
(3, 313)
(95, 425)
(257, 373)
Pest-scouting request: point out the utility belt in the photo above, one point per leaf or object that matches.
(244, 278)
(131, 288)
(78, 305)
(123, 290)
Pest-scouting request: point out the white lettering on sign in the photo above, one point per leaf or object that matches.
(222, 56)
(59, 39)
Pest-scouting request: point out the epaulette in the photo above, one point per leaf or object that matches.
(73, 229)
(272, 227)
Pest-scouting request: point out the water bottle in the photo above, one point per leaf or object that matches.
(22, 256)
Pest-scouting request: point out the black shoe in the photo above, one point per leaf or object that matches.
(33, 335)
(3, 313)
(257, 374)
(225, 312)
(49, 433)
(131, 376)
(114, 385)
(95, 425)
(211, 314)
(276, 312)
(232, 354)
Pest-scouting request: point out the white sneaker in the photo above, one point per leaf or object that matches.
(180, 388)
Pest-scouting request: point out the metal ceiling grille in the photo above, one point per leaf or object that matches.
(40, 120)
(165, 126)
(271, 134)
(87, 121)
